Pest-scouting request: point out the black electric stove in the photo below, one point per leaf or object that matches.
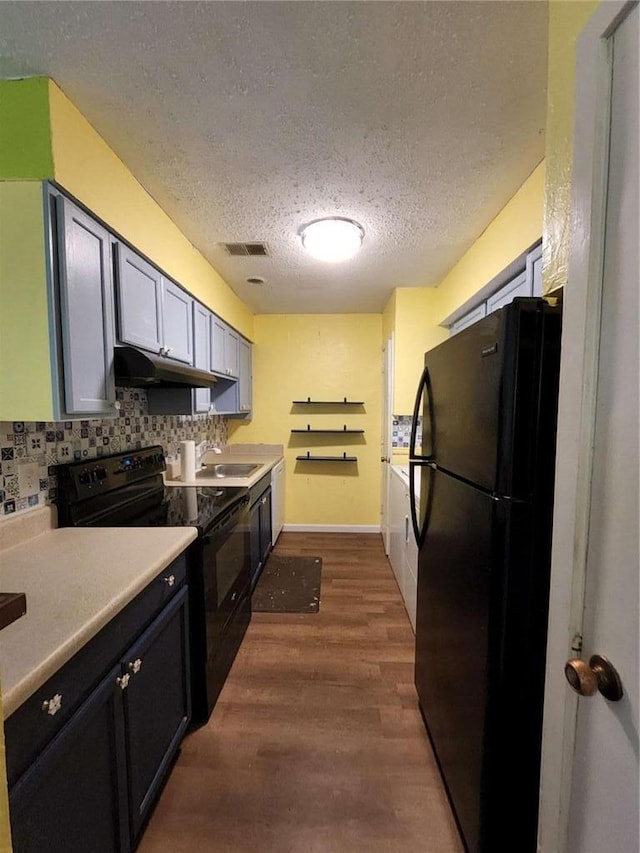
(127, 490)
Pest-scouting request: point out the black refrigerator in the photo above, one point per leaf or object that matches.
(488, 400)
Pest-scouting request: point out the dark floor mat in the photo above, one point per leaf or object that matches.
(288, 585)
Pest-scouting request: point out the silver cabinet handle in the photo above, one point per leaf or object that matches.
(170, 581)
(161, 351)
(234, 596)
(167, 350)
(263, 500)
(135, 665)
(406, 528)
(53, 705)
(123, 681)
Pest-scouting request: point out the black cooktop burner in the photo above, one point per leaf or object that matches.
(195, 506)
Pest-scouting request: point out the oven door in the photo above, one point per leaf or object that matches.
(225, 574)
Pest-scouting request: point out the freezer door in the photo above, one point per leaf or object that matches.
(484, 416)
(480, 630)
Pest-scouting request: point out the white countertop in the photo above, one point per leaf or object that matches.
(76, 580)
(265, 461)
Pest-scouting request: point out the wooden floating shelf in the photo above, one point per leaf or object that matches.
(343, 458)
(332, 431)
(343, 402)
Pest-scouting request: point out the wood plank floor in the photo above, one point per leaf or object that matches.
(316, 744)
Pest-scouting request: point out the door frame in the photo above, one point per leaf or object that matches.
(577, 406)
(388, 354)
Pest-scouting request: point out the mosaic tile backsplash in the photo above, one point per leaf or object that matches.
(401, 431)
(50, 444)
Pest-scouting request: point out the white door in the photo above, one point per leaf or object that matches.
(385, 440)
(591, 743)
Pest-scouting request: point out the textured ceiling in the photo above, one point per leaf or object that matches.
(247, 119)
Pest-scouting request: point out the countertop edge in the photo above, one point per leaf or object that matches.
(14, 696)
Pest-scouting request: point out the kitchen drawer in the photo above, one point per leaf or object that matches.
(30, 727)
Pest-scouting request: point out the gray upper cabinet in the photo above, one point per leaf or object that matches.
(177, 322)
(528, 282)
(154, 313)
(232, 353)
(139, 289)
(518, 286)
(245, 387)
(201, 353)
(534, 270)
(234, 397)
(224, 348)
(86, 312)
(218, 338)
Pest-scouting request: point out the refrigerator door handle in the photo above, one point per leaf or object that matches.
(419, 534)
(424, 385)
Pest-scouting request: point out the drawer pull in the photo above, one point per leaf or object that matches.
(135, 665)
(263, 501)
(170, 581)
(52, 706)
(123, 681)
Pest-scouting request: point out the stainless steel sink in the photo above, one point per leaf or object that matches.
(228, 469)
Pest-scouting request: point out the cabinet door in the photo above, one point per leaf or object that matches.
(277, 501)
(177, 322)
(139, 289)
(201, 353)
(231, 353)
(469, 319)
(86, 303)
(396, 528)
(519, 286)
(157, 705)
(73, 797)
(265, 525)
(254, 540)
(245, 389)
(410, 591)
(534, 270)
(218, 336)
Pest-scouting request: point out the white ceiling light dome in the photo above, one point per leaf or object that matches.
(333, 239)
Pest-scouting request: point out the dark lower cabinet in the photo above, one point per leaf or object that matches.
(260, 526)
(73, 798)
(93, 785)
(156, 705)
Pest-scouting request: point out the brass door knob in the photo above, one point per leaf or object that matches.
(599, 674)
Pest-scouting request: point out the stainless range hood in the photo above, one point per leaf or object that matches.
(137, 369)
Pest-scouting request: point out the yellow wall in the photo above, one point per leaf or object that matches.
(566, 20)
(416, 332)
(515, 228)
(25, 375)
(91, 171)
(328, 357)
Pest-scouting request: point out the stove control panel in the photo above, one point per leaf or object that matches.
(99, 476)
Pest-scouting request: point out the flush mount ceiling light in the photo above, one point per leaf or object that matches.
(333, 239)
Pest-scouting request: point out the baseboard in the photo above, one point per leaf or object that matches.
(331, 528)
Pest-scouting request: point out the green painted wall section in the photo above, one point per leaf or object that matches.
(25, 132)
(25, 371)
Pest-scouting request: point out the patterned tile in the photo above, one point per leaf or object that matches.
(401, 431)
(50, 444)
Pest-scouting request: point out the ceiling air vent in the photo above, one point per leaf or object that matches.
(243, 250)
